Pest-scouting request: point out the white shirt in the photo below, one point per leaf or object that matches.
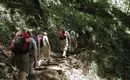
(45, 40)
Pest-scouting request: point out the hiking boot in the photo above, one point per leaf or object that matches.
(64, 56)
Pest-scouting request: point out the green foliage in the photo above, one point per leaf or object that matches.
(5, 34)
(108, 23)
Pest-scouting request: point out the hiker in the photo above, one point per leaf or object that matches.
(45, 49)
(32, 54)
(73, 36)
(40, 44)
(88, 34)
(64, 40)
(20, 49)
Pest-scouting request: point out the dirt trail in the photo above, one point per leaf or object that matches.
(67, 69)
(59, 69)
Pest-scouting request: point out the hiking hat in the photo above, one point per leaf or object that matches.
(45, 33)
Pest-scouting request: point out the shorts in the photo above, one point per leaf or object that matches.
(22, 62)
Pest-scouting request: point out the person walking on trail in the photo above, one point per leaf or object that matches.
(32, 54)
(74, 43)
(45, 49)
(64, 40)
(88, 34)
(20, 49)
(39, 44)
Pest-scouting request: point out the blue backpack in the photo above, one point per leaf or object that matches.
(34, 37)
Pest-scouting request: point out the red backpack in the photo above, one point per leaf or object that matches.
(62, 35)
(40, 38)
(20, 44)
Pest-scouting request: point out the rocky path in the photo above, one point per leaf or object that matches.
(61, 69)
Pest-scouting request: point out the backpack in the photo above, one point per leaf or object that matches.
(34, 37)
(20, 44)
(62, 35)
(40, 38)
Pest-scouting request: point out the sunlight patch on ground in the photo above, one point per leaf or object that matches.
(75, 74)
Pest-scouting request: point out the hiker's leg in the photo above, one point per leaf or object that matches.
(62, 44)
(74, 45)
(39, 50)
(35, 59)
(31, 67)
(64, 52)
(31, 64)
(22, 63)
(65, 47)
(42, 52)
(69, 47)
(22, 75)
(47, 53)
(38, 55)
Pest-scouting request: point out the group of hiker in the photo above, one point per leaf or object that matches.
(27, 48)
(67, 41)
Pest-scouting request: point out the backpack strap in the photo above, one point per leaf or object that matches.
(26, 43)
